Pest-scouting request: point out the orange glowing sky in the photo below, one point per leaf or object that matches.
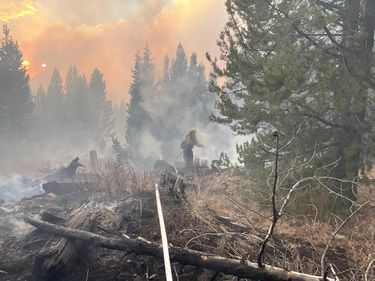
(107, 34)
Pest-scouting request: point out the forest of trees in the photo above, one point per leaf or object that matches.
(78, 114)
(162, 110)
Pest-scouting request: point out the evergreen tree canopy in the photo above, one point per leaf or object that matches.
(138, 119)
(55, 88)
(101, 111)
(306, 64)
(71, 83)
(55, 107)
(179, 65)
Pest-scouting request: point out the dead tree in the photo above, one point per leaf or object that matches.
(239, 268)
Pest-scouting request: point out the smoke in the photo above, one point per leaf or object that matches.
(176, 109)
(150, 147)
(17, 187)
(107, 34)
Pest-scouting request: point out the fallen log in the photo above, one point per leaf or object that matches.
(140, 246)
(59, 253)
(62, 188)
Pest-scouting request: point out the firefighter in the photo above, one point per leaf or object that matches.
(187, 145)
(71, 170)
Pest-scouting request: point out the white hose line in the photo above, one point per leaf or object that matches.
(167, 262)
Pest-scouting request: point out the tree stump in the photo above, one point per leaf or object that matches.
(58, 255)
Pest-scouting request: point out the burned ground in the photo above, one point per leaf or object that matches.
(213, 219)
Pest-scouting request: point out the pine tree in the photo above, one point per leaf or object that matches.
(165, 78)
(179, 92)
(71, 83)
(101, 111)
(120, 115)
(80, 114)
(40, 97)
(40, 105)
(201, 99)
(55, 92)
(179, 64)
(141, 106)
(55, 110)
(148, 71)
(304, 64)
(136, 113)
(106, 125)
(16, 103)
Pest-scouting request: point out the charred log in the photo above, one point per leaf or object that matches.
(66, 187)
(239, 268)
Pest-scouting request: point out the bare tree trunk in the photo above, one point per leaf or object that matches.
(242, 269)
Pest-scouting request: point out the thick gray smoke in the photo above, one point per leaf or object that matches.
(215, 138)
(16, 187)
(179, 102)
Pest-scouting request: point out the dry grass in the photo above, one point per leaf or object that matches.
(299, 240)
(218, 218)
(117, 179)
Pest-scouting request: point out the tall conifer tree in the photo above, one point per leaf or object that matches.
(16, 103)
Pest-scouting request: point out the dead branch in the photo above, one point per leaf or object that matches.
(274, 208)
(322, 260)
(240, 268)
(368, 269)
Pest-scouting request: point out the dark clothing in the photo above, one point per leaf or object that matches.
(188, 156)
(70, 171)
(187, 146)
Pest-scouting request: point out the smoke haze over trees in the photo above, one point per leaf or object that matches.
(74, 115)
(162, 110)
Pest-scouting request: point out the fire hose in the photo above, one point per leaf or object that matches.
(167, 262)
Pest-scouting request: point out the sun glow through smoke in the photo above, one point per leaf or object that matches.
(46, 30)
